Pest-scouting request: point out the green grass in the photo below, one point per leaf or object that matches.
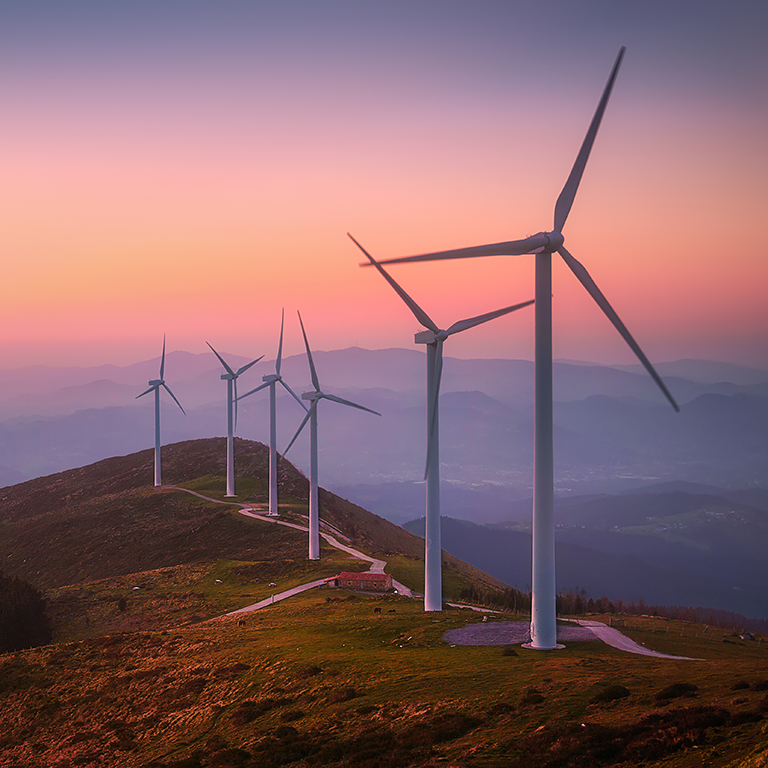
(324, 680)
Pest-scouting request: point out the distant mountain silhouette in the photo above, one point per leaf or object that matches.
(612, 429)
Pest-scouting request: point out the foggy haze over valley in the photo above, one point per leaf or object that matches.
(612, 430)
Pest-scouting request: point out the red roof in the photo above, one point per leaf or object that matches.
(363, 576)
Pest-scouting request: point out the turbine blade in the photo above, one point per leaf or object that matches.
(295, 396)
(221, 360)
(301, 426)
(420, 314)
(146, 392)
(260, 387)
(313, 372)
(162, 359)
(584, 278)
(463, 325)
(565, 201)
(244, 368)
(511, 248)
(349, 403)
(167, 389)
(279, 360)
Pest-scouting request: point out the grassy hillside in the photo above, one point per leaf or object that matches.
(141, 672)
(322, 680)
(105, 522)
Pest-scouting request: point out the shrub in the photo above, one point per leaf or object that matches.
(347, 693)
(676, 690)
(531, 696)
(611, 693)
(304, 672)
(23, 622)
(251, 709)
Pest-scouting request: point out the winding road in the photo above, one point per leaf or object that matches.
(249, 510)
(608, 635)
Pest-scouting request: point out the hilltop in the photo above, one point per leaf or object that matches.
(105, 522)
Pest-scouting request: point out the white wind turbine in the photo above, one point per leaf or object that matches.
(231, 378)
(154, 386)
(271, 380)
(315, 397)
(434, 337)
(543, 245)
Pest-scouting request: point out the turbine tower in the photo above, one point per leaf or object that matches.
(271, 380)
(231, 378)
(314, 398)
(154, 386)
(434, 337)
(543, 245)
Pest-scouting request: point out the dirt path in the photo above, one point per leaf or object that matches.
(517, 632)
(614, 638)
(377, 566)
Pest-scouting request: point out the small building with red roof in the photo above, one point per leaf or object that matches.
(362, 582)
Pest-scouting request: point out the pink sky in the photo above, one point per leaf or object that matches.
(194, 175)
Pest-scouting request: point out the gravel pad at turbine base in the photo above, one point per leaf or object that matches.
(508, 633)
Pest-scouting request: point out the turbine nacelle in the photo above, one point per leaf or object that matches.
(228, 376)
(272, 378)
(430, 337)
(156, 383)
(312, 396)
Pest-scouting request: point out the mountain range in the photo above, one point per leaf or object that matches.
(613, 430)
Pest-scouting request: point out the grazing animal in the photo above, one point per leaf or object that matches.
(377, 610)
(392, 611)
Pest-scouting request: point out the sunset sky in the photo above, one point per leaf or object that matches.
(191, 167)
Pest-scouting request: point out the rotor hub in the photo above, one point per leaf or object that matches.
(554, 241)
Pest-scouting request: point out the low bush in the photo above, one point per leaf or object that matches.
(676, 691)
(251, 709)
(310, 671)
(611, 693)
(346, 693)
(531, 696)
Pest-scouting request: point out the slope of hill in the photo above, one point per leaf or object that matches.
(331, 683)
(106, 521)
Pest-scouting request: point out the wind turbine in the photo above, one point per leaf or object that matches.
(271, 380)
(154, 386)
(315, 397)
(231, 378)
(434, 337)
(543, 245)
